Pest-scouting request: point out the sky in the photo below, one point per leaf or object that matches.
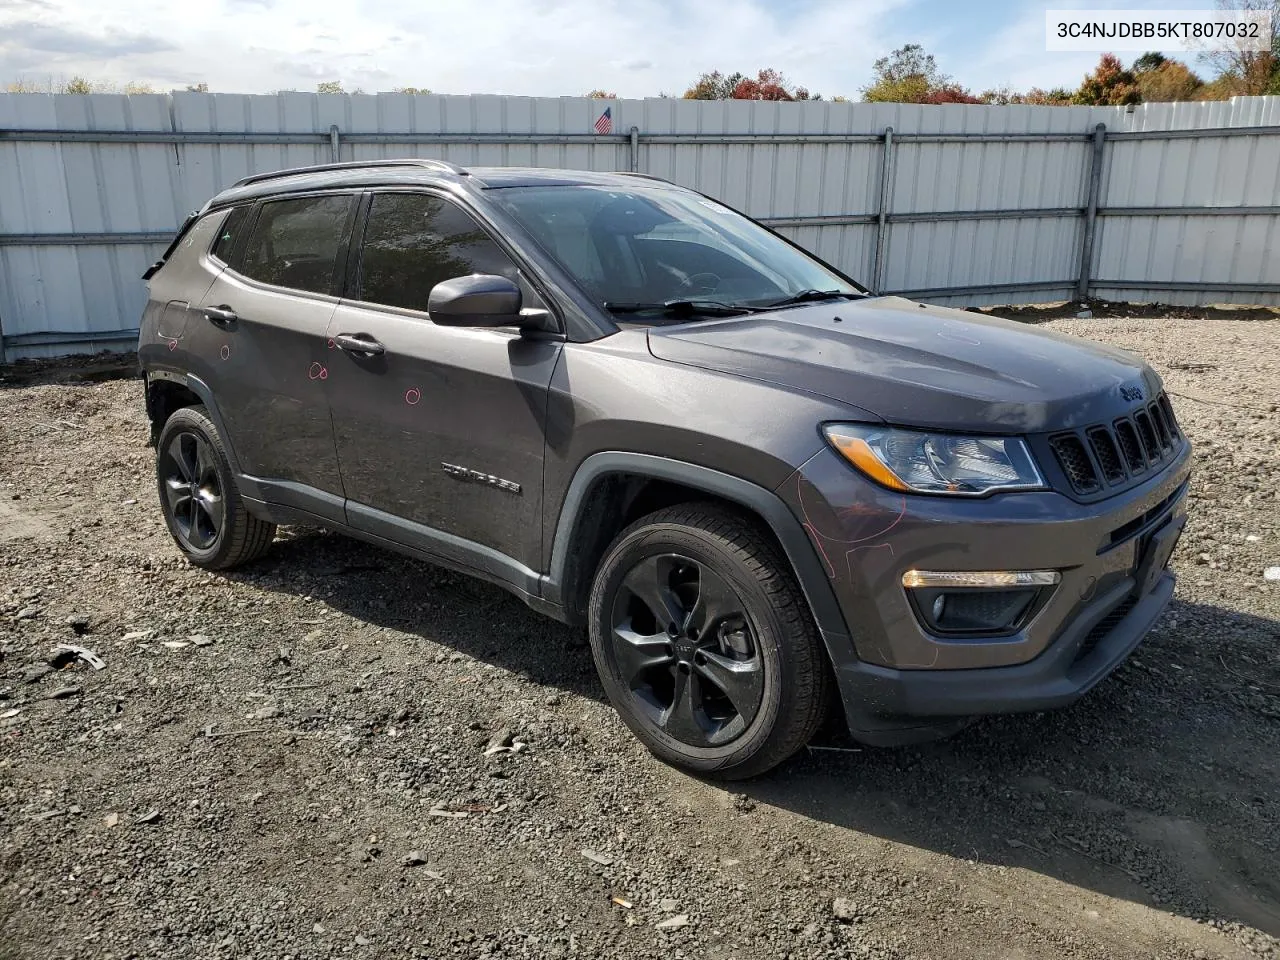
(634, 48)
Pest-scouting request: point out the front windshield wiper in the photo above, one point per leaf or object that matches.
(805, 296)
(683, 308)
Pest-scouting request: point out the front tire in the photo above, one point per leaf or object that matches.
(704, 642)
(198, 495)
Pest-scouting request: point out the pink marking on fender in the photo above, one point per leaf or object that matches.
(412, 396)
(317, 372)
(817, 542)
(173, 344)
(225, 352)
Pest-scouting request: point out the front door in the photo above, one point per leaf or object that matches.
(267, 314)
(440, 433)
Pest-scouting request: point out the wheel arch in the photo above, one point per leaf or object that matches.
(168, 391)
(611, 489)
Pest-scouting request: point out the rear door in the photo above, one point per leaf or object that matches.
(264, 326)
(440, 434)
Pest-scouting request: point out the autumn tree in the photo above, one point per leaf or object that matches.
(910, 75)
(1162, 80)
(714, 86)
(1109, 84)
(413, 91)
(330, 86)
(769, 84)
(1248, 73)
(76, 85)
(600, 95)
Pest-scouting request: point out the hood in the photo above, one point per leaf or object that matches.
(917, 365)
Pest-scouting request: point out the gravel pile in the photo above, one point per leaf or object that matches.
(343, 753)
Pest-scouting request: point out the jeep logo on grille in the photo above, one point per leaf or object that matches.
(1131, 393)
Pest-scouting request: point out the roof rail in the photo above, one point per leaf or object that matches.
(355, 165)
(643, 176)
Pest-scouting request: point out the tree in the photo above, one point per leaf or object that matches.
(200, 87)
(1110, 84)
(910, 75)
(767, 84)
(1166, 81)
(413, 91)
(23, 85)
(714, 86)
(136, 86)
(1152, 60)
(600, 95)
(950, 93)
(329, 86)
(76, 85)
(1249, 73)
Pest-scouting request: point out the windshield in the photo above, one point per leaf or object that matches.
(645, 246)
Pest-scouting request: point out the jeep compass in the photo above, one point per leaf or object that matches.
(765, 492)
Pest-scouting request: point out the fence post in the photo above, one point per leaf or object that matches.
(334, 144)
(886, 161)
(1091, 211)
(635, 149)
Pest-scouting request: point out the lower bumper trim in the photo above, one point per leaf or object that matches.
(880, 699)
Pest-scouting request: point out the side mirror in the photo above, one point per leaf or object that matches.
(479, 300)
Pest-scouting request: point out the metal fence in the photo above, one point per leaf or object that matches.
(1178, 203)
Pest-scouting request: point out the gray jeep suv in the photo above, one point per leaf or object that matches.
(638, 410)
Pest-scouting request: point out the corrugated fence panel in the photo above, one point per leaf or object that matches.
(1236, 250)
(982, 204)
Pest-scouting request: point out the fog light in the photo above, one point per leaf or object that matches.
(977, 603)
(938, 606)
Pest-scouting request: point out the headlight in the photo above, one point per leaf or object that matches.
(914, 461)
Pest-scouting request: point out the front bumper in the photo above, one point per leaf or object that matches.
(907, 684)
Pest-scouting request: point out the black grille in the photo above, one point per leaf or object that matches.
(1075, 463)
(1148, 435)
(1166, 410)
(1162, 431)
(1112, 455)
(1104, 448)
(1104, 627)
(1127, 437)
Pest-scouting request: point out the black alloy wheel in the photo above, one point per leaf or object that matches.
(199, 498)
(686, 649)
(193, 490)
(704, 642)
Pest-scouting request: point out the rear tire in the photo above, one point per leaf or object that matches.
(199, 498)
(705, 644)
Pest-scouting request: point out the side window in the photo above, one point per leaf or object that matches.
(295, 243)
(413, 241)
(225, 242)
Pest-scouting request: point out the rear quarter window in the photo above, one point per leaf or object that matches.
(224, 244)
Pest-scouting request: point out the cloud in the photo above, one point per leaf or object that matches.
(37, 36)
(530, 47)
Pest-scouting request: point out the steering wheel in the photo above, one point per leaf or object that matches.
(700, 283)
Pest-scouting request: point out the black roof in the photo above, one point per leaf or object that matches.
(410, 172)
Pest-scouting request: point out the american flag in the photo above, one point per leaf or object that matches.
(604, 124)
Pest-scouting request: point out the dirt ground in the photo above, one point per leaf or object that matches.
(290, 761)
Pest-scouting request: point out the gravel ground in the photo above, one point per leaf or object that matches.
(294, 761)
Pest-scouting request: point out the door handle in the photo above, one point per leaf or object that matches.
(360, 343)
(222, 316)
